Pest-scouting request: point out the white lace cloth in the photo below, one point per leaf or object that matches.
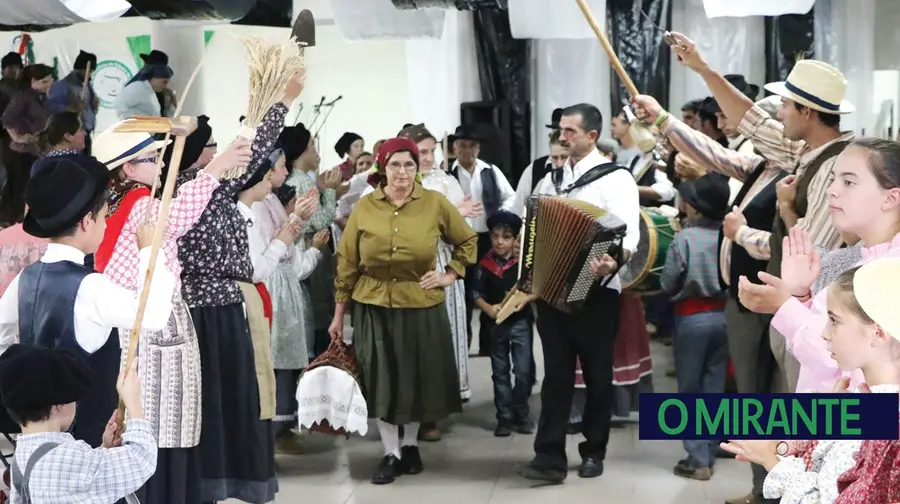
(329, 393)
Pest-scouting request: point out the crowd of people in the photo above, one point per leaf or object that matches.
(780, 276)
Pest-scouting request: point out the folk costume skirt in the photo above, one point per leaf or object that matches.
(632, 366)
(455, 302)
(407, 367)
(237, 449)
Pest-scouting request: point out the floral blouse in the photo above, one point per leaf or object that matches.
(215, 253)
(795, 480)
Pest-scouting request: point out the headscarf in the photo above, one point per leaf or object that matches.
(152, 71)
(342, 147)
(264, 169)
(388, 149)
(193, 147)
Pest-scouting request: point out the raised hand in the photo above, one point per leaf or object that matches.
(800, 264)
(646, 108)
(687, 53)
(238, 153)
(733, 222)
(293, 88)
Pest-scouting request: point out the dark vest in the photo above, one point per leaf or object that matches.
(759, 212)
(539, 170)
(47, 293)
(490, 190)
(647, 179)
(801, 202)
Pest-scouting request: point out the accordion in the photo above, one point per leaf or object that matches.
(560, 237)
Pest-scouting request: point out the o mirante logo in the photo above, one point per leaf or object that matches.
(768, 416)
(108, 79)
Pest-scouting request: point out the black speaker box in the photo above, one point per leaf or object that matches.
(494, 118)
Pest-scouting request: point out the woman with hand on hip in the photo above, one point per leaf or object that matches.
(386, 263)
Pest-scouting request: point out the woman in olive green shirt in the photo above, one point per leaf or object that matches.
(387, 266)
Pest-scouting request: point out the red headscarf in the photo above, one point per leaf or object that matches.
(388, 149)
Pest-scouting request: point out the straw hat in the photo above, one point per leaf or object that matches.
(876, 286)
(114, 149)
(816, 85)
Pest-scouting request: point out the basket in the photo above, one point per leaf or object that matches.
(329, 396)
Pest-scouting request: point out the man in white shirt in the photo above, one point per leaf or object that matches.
(591, 332)
(57, 302)
(484, 183)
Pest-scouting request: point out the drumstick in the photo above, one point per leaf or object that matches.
(613, 59)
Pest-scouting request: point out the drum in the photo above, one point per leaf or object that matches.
(658, 227)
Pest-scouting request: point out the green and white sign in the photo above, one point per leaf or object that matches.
(108, 79)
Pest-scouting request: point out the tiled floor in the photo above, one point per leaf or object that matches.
(471, 466)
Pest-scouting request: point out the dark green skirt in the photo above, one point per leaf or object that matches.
(406, 363)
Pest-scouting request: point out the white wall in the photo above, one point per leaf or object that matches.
(371, 77)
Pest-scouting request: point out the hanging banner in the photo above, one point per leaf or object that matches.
(559, 20)
(118, 47)
(733, 8)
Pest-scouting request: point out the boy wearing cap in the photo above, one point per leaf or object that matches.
(40, 388)
(58, 302)
(691, 278)
(495, 275)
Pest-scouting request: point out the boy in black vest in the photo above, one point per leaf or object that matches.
(496, 275)
(58, 302)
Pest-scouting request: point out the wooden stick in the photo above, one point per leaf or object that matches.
(613, 59)
(87, 79)
(158, 237)
(159, 157)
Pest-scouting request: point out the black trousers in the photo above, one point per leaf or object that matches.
(484, 333)
(589, 334)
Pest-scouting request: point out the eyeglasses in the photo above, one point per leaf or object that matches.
(408, 167)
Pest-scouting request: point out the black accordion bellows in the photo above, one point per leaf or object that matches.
(559, 238)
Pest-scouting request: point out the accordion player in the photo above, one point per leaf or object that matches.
(559, 238)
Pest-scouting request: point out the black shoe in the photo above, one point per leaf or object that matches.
(590, 467)
(389, 469)
(411, 460)
(502, 430)
(574, 428)
(524, 426)
(536, 473)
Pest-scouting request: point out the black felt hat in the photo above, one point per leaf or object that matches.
(294, 140)
(155, 57)
(506, 219)
(33, 376)
(555, 117)
(342, 147)
(740, 82)
(264, 169)
(710, 106)
(62, 193)
(474, 132)
(285, 193)
(709, 194)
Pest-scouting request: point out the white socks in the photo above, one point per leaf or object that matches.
(411, 434)
(390, 438)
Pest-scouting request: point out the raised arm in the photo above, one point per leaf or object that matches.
(305, 260)
(266, 136)
(802, 326)
(184, 211)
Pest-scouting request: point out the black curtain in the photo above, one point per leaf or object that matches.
(640, 47)
(788, 38)
(503, 72)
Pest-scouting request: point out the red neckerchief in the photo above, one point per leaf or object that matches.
(490, 263)
(122, 205)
